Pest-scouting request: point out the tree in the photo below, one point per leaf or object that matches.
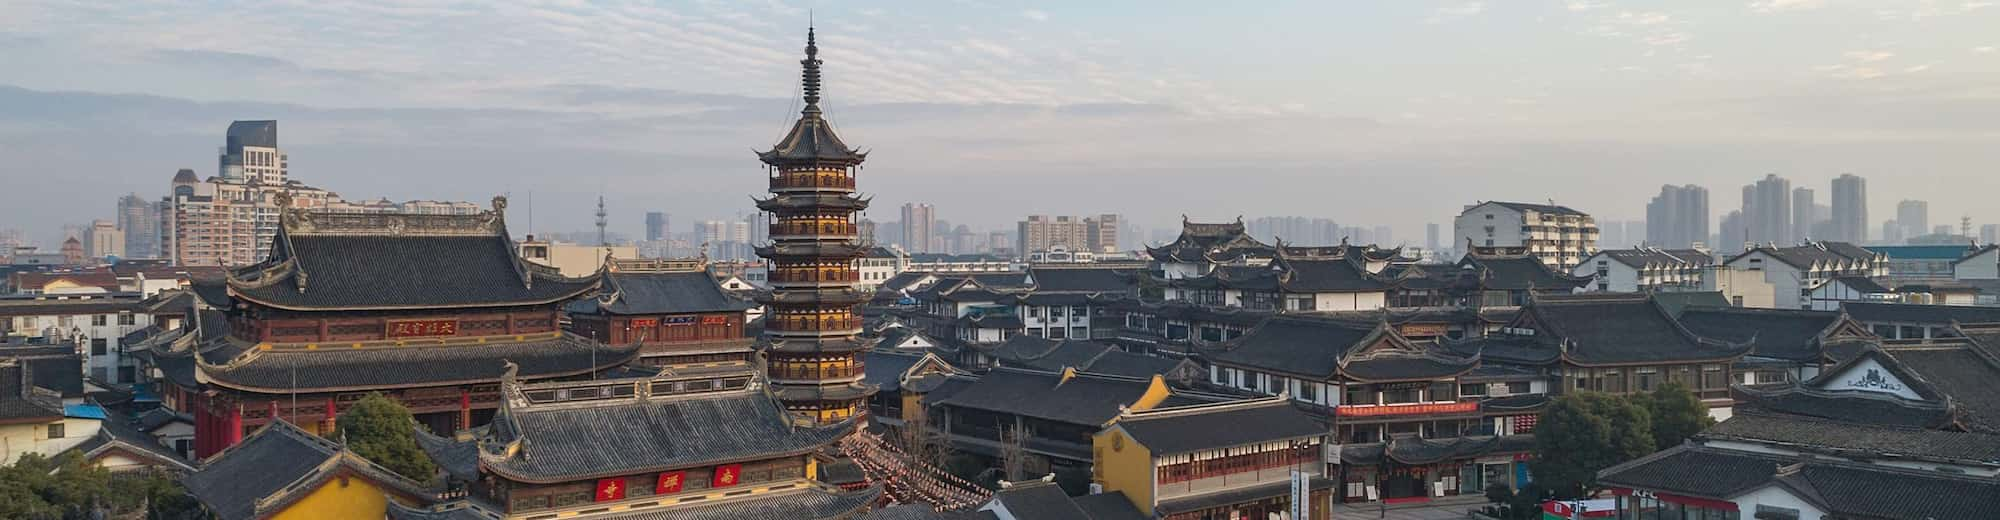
(1677, 414)
(37, 487)
(383, 431)
(1584, 432)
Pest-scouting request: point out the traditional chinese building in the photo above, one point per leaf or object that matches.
(422, 308)
(674, 310)
(672, 443)
(811, 332)
(1218, 460)
(282, 472)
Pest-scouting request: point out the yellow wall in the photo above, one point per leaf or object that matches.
(358, 499)
(1121, 464)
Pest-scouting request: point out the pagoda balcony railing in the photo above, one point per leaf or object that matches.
(781, 371)
(1383, 410)
(794, 182)
(783, 276)
(779, 229)
(813, 325)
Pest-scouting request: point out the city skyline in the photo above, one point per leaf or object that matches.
(1058, 99)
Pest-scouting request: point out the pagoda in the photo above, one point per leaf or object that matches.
(811, 332)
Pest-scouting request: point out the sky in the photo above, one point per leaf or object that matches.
(1367, 112)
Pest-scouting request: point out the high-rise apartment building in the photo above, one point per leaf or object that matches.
(1802, 213)
(228, 221)
(1431, 237)
(1558, 235)
(103, 239)
(1677, 218)
(1104, 233)
(1733, 233)
(919, 223)
(1295, 230)
(1043, 232)
(1989, 234)
(139, 221)
(250, 153)
(1767, 210)
(657, 226)
(1850, 209)
(1914, 216)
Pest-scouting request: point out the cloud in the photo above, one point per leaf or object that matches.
(1983, 49)
(1868, 56)
(1974, 6)
(1450, 12)
(1583, 5)
(1036, 15)
(1778, 6)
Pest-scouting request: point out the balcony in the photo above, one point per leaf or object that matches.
(807, 372)
(830, 276)
(812, 182)
(789, 229)
(783, 324)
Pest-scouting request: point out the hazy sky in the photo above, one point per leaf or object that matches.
(1366, 112)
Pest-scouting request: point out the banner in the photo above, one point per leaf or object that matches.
(417, 328)
(726, 476)
(680, 320)
(670, 482)
(714, 320)
(610, 489)
(645, 323)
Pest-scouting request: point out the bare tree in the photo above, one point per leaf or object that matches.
(1013, 452)
(924, 444)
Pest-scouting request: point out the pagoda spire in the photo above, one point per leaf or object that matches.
(810, 76)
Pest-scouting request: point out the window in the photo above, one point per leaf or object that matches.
(1359, 394)
(1711, 377)
(1444, 391)
(1399, 396)
(98, 320)
(98, 346)
(1472, 390)
(1517, 387)
(1034, 311)
(56, 431)
(126, 318)
(1644, 379)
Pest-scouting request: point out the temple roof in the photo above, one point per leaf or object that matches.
(559, 442)
(383, 365)
(1052, 280)
(1619, 329)
(809, 503)
(277, 466)
(1842, 489)
(647, 293)
(1858, 440)
(354, 261)
(811, 140)
(1410, 450)
(1777, 333)
(1084, 399)
(1653, 257)
(1320, 348)
(1519, 273)
(1216, 426)
(23, 402)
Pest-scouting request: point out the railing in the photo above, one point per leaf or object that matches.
(813, 325)
(813, 228)
(783, 371)
(812, 276)
(1375, 410)
(812, 181)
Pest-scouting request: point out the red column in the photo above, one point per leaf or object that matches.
(202, 434)
(331, 413)
(235, 432)
(464, 408)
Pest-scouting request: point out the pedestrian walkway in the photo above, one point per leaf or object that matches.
(1443, 508)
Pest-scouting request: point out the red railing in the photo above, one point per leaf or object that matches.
(809, 276)
(813, 228)
(813, 325)
(812, 181)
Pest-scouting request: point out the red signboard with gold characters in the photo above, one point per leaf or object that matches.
(610, 489)
(670, 482)
(419, 328)
(726, 476)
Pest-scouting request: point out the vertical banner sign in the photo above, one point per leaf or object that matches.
(670, 483)
(610, 489)
(1301, 497)
(726, 476)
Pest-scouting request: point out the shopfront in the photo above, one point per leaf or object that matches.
(1641, 504)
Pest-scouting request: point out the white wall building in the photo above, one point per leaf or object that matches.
(1560, 236)
(98, 322)
(1643, 269)
(1794, 272)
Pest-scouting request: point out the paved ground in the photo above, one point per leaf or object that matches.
(1450, 509)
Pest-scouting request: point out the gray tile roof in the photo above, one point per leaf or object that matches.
(1108, 506)
(1784, 334)
(1166, 431)
(635, 436)
(659, 293)
(21, 401)
(1542, 208)
(282, 370)
(1872, 312)
(1085, 399)
(274, 466)
(1964, 374)
(1518, 273)
(1083, 279)
(397, 272)
(1621, 329)
(1850, 407)
(1305, 346)
(1040, 501)
(1850, 439)
(1845, 490)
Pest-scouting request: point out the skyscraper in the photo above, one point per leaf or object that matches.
(1678, 217)
(250, 152)
(1802, 213)
(657, 226)
(1733, 234)
(919, 220)
(1767, 211)
(1850, 209)
(1914, 216)
(139, 220)
(1989, 234)
(1431, 237)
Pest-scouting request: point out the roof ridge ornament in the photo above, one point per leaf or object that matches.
(810, 75)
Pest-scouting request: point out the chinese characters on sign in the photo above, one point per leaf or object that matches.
(670, 483)
(726, 476)
(1401, 409)
(610, 489)
(645, 323)
(418, 328)
(714, 320)
(680, 320)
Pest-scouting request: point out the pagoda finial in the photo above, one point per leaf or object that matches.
(810, 76)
